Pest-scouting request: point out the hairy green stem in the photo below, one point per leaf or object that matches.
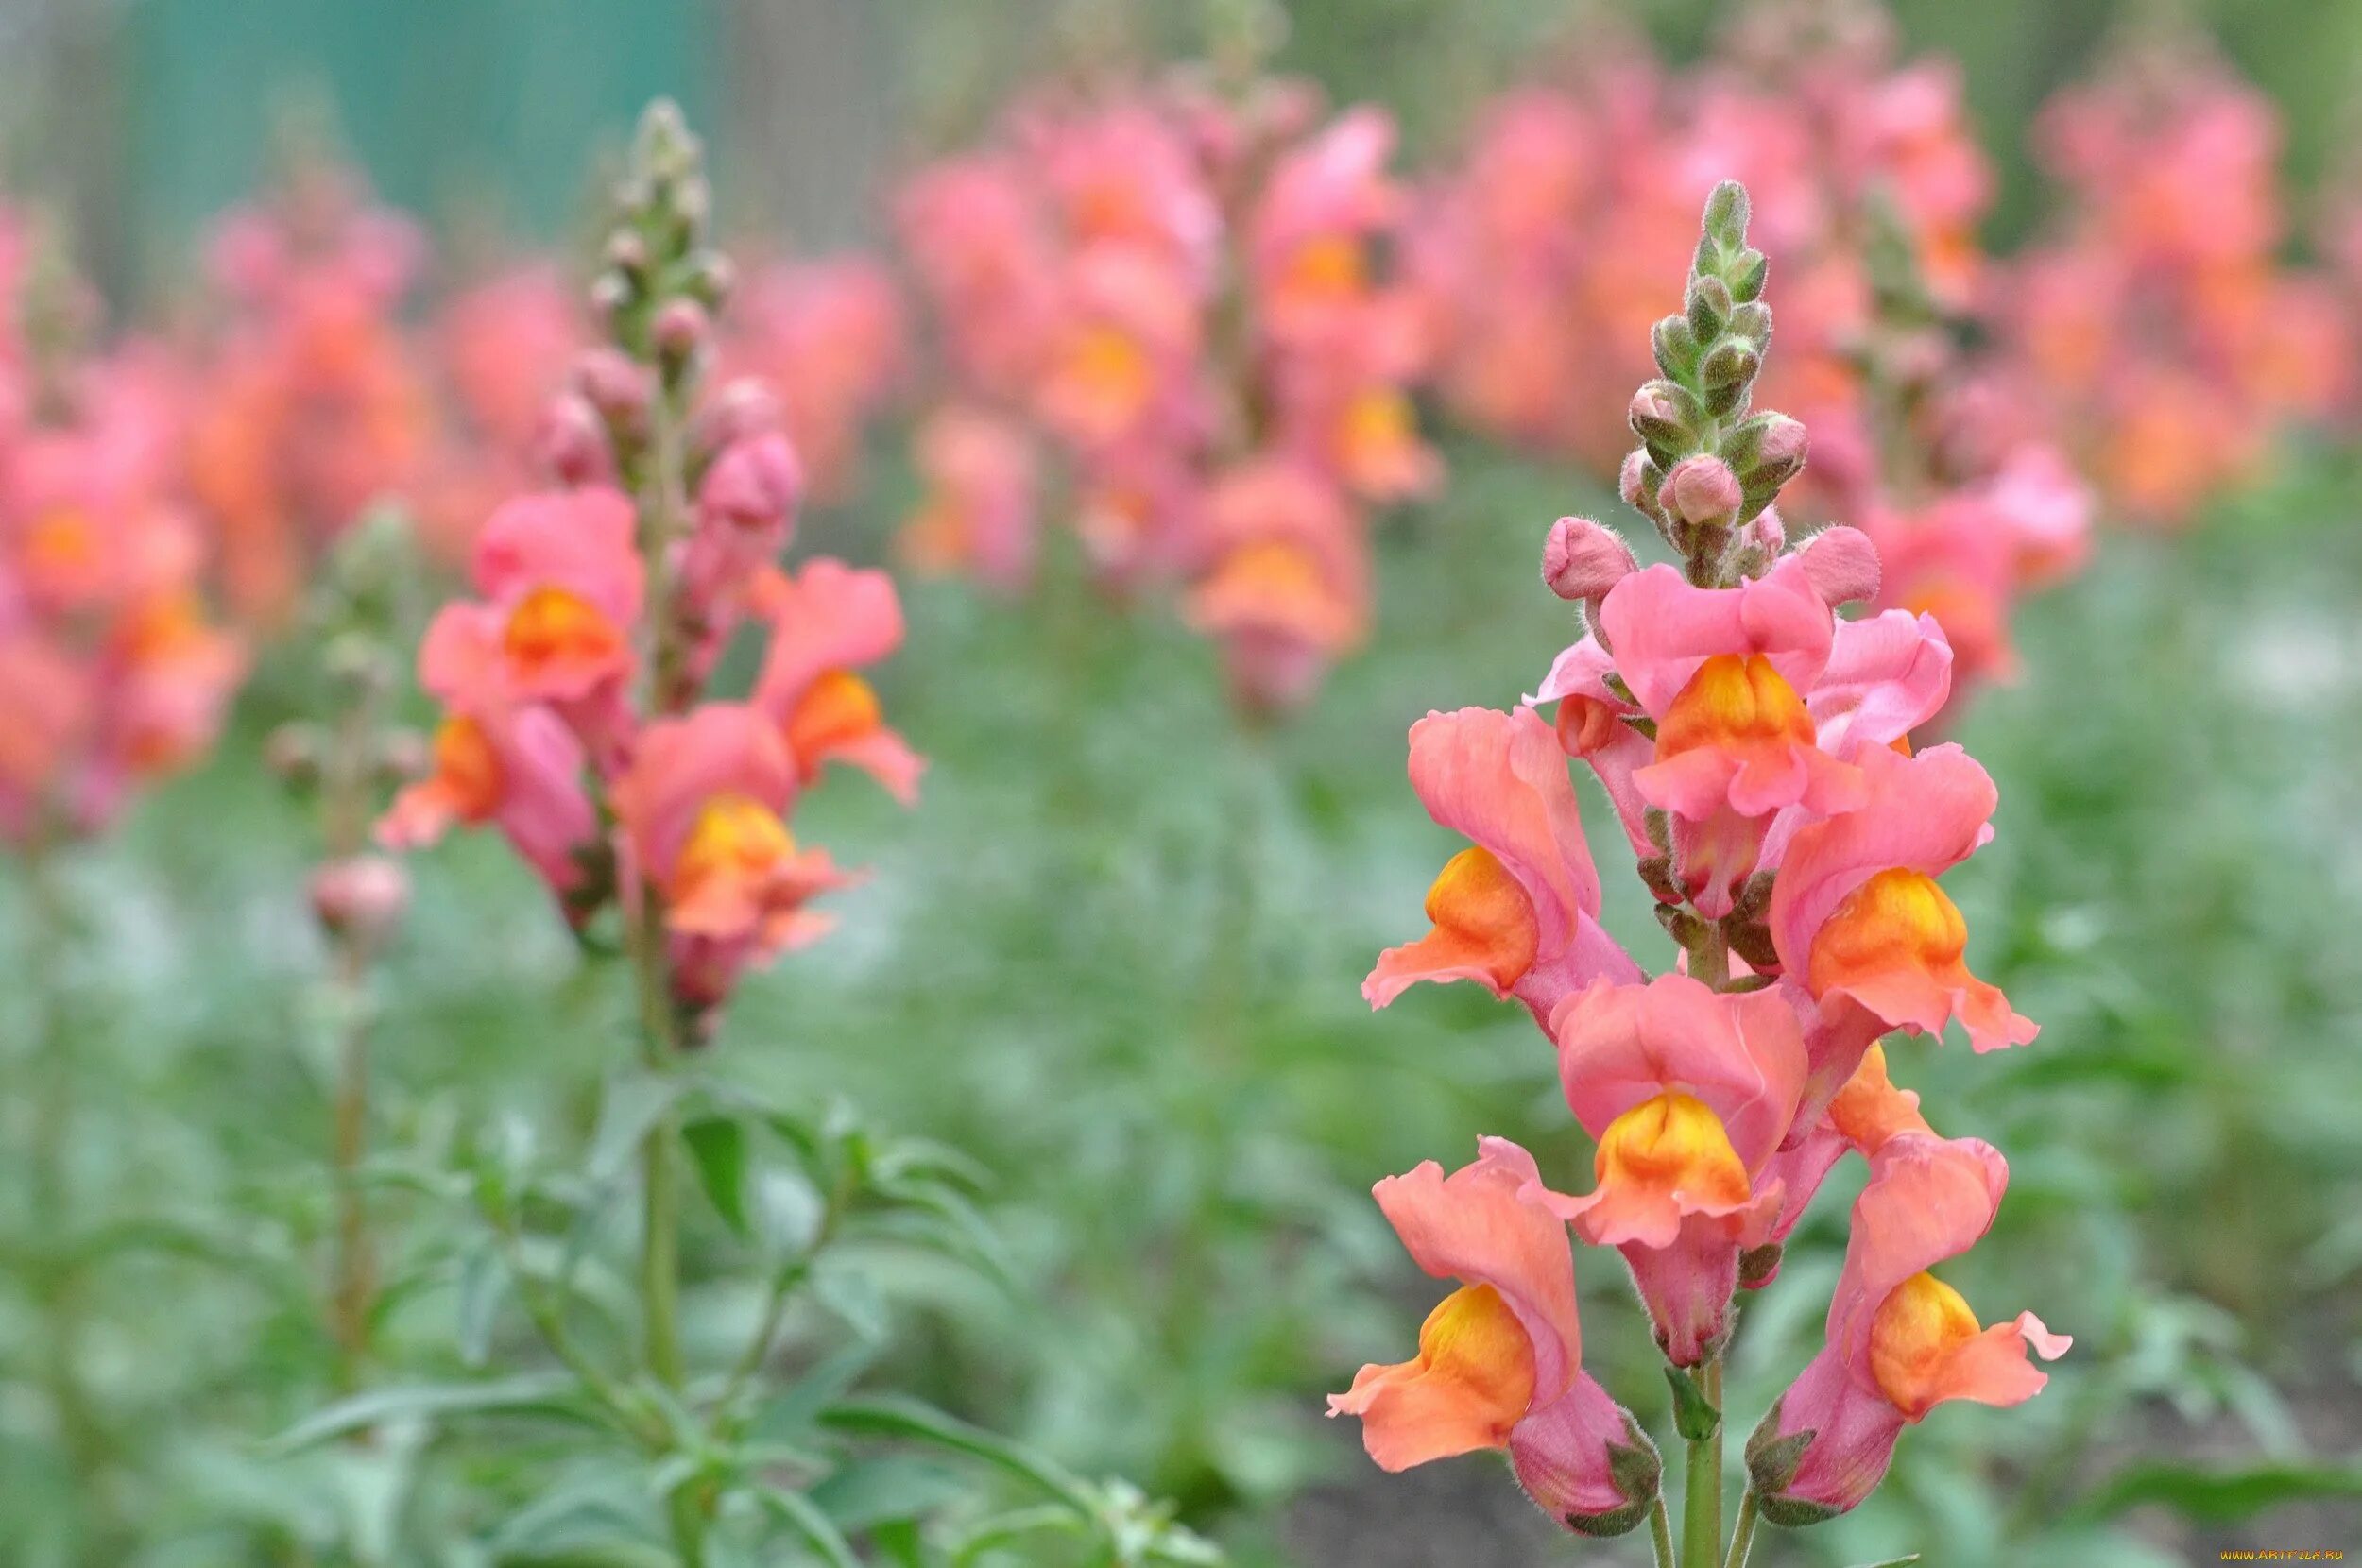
(1743, 1533)
(1702, 1499)
(1661, 1532)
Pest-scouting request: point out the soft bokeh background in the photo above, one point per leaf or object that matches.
(1115, 955)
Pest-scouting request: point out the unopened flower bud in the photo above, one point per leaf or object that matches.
(1708, 306)
(614, 386)
(572, 443)
(1704, 491)
(293, 753)
(609, 293)
(1675, 347)
(358, 661)
(1731, 363)
(711, 278)
(1768, 452)
(740, 410)
(1581, 560)
(360, 899)
(1842, 564)
(403, 755)
(1640, 482)
(680, 331)
(1663, 414)
(753, 485)
(627, 253)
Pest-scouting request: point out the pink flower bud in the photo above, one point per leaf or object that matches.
(1703, 490)
(1639, 482)
(1784, 445)
(1768, 533)
(571, 442)
(740, 410)
(680, 329)
(360, 898)
(1583, 559)
(1655, 414)
(755, 485)
(614, 386)
(1842, 564)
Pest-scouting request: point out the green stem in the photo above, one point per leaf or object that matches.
(1661, 1532)
(1743, 1533)
(659, 1249)
(347, 795)
(353, 1273)
(1702, 1499)
(82, 1437)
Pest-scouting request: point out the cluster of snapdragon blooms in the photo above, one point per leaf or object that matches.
(1171, 302)
(112, 671)
(1542, 326)
(578, 717)
(2157, 329)
(1756, 746)
(1969, 508)
(324, 397)
(316, 402)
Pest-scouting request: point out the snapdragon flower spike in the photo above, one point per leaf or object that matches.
(1518, 910)
(1900, 1341)
(579, 714)
(1862, 927)
(111, 673)
(1689, 1094)
(1501, 1360)
(1177, 306)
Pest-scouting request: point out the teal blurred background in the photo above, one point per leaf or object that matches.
(147, 116)
(1116, 952)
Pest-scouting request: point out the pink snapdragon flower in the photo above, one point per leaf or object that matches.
(1862, 926)
(1689, 1094)
(513, 764)
(561, 572)
(1501, 1360)
(1518, 910)
(827, 622)
(1722, 673)
(1900, 1341)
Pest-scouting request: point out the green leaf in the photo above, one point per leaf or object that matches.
(2216, 1496)
(1694, 1415)
(541, 1394)
(717, 1146)
(600, 1510)
(914, 1421)
(1891, 1562)
(797, 1511)
(793, 1413)
(893, 1486)
(634, 1103)
(1003, 1529)
(483, 1283)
